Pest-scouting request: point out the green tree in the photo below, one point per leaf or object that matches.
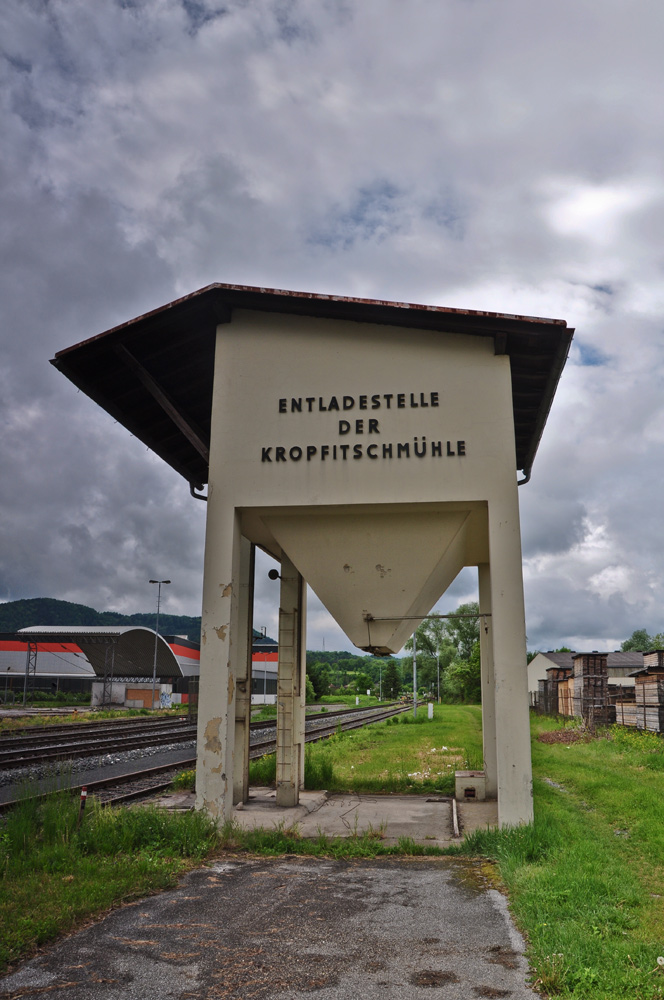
(443, 642)
(323, 683)
(640, 640)
(392, 680)
(363, 683)
(463, 680)
(464, 631)
(319, 675)
(435, 651)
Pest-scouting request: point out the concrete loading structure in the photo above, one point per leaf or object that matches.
(373, 452)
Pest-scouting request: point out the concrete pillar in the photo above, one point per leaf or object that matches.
(291, 685)
(488, 692)
(514, 770)
(243, 676)
(222, 652)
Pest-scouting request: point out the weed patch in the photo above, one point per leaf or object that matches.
(263, 770)
(185, 781)
(55, 872)
(287, 840)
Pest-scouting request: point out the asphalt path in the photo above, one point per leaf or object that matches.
(290, 928)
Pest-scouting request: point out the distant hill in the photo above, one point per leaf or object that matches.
(15, 615)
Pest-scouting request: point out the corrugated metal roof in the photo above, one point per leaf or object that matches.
(613, 660)
(127, 649)
(154, 373)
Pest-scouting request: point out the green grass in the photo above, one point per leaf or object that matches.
(402, 755)
(89, 715)
(265, 712)
(185, 781)
(348, 700)
(585, 879)
(56, 873)
(284, 839)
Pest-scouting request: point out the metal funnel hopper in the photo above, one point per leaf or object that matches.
(375, 573)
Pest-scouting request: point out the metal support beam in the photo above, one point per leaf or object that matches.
(164, 400)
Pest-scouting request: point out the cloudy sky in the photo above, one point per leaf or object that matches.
(483, 154)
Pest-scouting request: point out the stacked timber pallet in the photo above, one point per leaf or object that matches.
(647, 709)
(591, 688)
(649, 689)
(547, 696)
(624, 700)
(554, 677)
(566, 696)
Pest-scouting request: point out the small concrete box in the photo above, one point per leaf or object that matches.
(470, 786)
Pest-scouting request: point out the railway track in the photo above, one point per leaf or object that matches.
(159, 779)
(91, 739)
(146, 781)
(44, 748)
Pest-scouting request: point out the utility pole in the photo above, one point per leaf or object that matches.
(414, 675)
(156, 636)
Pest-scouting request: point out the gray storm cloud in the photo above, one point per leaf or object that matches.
(503, 156)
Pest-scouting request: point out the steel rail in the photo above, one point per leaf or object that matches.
(256, 750)
(119, 737)
(266, 748)
(46, 731)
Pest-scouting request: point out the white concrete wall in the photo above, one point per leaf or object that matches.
(376, 520)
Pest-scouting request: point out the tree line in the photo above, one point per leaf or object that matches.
(642, 641)
(447, 655)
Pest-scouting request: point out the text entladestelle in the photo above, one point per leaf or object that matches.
(417, 447)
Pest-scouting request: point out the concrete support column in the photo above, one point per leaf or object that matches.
(220, 652)
(514, 770)
(488, 692)
(291, 685)
(243, 676)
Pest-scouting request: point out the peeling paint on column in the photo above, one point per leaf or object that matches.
(231, 687)
(212, 742)
(212, 808)
(221, 631)
(227, 591)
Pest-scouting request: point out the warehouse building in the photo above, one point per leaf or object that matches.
(116, 664)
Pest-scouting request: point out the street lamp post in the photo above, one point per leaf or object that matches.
(156, 636)
(414, 674)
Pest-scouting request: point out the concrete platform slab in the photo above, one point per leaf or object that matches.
(283, 929)
(424, 819)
